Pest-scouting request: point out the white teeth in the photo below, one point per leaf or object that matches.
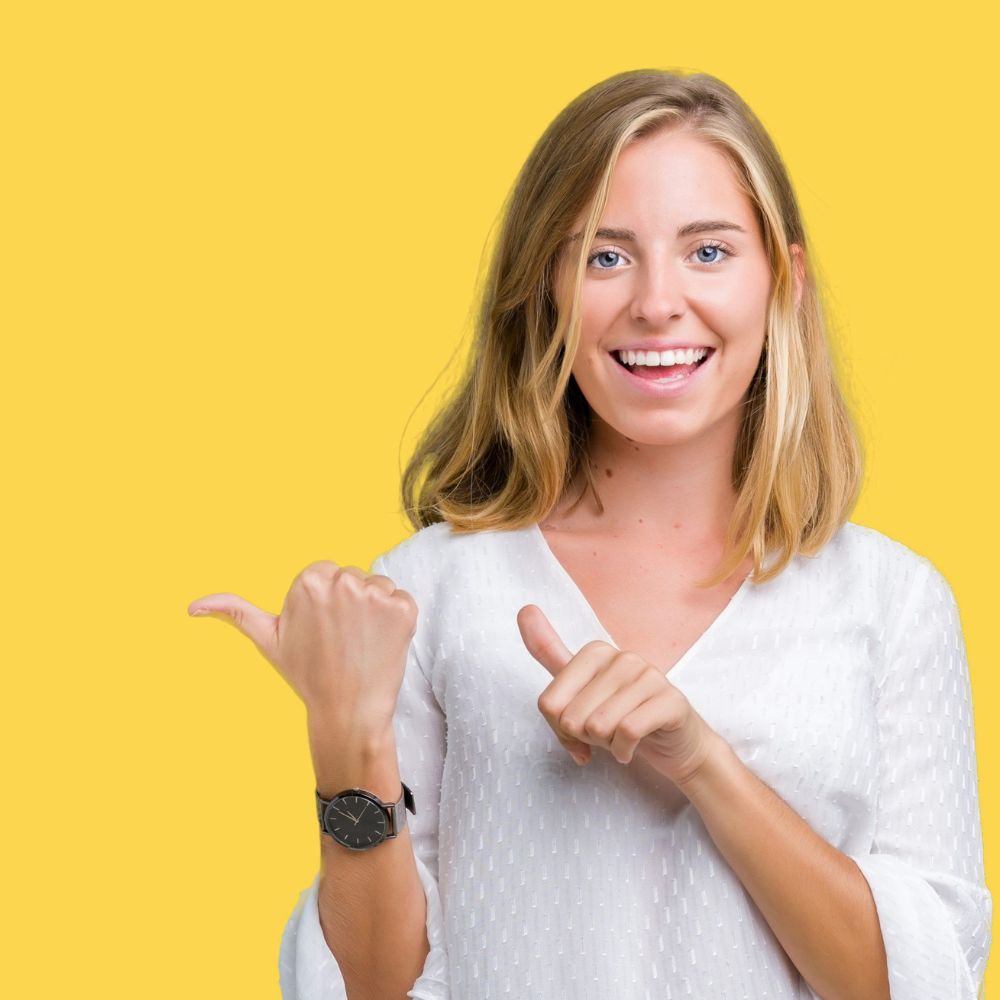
(663, 359)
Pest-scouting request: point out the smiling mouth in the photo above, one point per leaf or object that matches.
(661, 373)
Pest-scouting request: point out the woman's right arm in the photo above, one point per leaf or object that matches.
(370, 924)
(371, 904)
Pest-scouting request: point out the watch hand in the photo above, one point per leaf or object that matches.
(344, 812)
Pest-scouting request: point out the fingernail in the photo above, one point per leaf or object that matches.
(199, 611)
(579, 758)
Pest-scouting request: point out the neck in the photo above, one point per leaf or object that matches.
(678, 495)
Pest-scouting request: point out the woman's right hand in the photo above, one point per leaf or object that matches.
(340, 641)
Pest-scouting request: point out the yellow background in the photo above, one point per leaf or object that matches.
(240, 242)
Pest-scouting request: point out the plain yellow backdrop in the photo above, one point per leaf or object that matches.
(240, 242)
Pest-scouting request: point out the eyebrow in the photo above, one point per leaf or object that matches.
(698, 226)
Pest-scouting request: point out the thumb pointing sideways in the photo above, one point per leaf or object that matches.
(257, 625)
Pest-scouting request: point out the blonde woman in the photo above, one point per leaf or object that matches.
(637, 712)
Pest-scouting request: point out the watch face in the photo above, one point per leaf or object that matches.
(356, 821)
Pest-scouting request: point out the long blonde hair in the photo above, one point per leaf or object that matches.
(504, 449)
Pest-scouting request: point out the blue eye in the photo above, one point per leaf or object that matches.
(714, 246)
(602, 253)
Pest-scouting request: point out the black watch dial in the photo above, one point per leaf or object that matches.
(356, 821)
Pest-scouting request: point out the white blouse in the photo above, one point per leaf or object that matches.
(842, 683)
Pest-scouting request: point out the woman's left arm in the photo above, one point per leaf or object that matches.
(814, 897)
(911, 919)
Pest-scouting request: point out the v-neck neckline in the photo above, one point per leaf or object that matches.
(585, 606)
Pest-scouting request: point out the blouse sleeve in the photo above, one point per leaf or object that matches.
(925, 868)
(307, 968)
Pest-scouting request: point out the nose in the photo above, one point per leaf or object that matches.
(658, 294)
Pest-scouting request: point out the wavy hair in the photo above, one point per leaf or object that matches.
(511, 439)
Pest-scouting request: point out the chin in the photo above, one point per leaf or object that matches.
(651, 432)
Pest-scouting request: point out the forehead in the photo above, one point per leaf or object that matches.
(664, 180)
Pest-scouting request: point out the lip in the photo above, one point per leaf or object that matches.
(650, 388)
(660, 348)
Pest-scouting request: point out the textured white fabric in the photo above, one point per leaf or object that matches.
(842, 683)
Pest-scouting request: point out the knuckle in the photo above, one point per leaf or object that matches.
(316, 579)
(570, 725)
(649, 681)
(675, 697)
(321, 569)
(405, 600)
(406, 612)
(397, 612)
(630, 661)
(546, 705)
(598, 728)
(672, 711)
(628, 731)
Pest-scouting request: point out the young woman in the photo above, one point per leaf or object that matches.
(633, 550)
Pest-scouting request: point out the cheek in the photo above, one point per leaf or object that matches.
(751, 297)
(599, 305)
(738, 316)
(598, 314)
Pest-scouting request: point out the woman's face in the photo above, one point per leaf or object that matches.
(673, 271)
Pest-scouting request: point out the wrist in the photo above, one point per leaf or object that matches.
(328, 725)
(355, 758)
(377, 773)
(714, 762)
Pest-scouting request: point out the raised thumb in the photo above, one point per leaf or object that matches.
(256, 624)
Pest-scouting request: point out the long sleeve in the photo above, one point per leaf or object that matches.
(307, 967)
(925, 868)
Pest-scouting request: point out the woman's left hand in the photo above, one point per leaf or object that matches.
(615, 699)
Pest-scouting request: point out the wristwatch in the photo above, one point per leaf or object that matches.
(360, 820)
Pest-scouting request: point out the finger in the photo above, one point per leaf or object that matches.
(362, 577)
(653, 714)
(574, 746)
(595, 712)
(591, 659)
(607, 726)
(542, 640)
(580, 752)
(257, 625)
(330, 571)
(590, 704)
(384, 583)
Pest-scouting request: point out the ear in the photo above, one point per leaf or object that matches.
(799, 262)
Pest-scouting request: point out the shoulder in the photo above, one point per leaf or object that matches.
(415, 560)
(890, 565)
(428, 549)
(910, 584)
(437, 557)
(863, 568)
(422, 544)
